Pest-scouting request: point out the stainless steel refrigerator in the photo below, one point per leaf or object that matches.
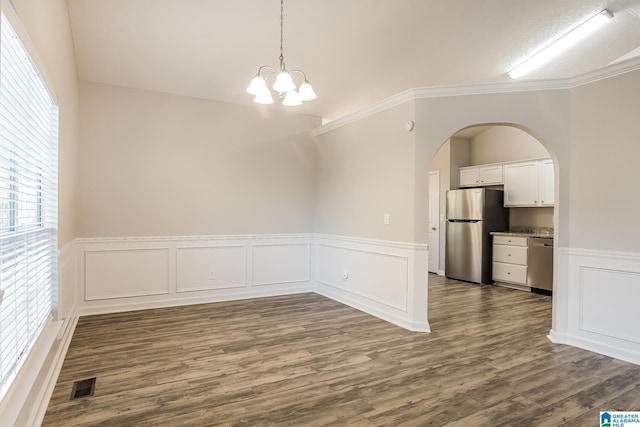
(471, 215)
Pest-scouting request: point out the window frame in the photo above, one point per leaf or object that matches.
(29, 211)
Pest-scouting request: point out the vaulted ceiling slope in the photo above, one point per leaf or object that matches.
(354, 52)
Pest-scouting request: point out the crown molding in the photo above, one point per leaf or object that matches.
(480, 89)
(609, 71)
(378, 107)
(440, 92)
(490, 88)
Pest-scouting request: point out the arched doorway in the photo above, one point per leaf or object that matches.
(539, 147)
(478, 146)
(490, 147)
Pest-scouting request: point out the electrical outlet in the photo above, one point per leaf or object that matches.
(212, 275)
(385, 219)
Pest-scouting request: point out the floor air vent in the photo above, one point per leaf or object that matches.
(83, 388)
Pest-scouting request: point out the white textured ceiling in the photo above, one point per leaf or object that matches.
(354, 52)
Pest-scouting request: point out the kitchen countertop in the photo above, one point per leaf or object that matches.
(536, 232)
(533, 234)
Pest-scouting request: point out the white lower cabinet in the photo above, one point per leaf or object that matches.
(510, 273)
(510, 260)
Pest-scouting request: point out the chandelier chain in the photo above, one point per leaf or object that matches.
(281, 34)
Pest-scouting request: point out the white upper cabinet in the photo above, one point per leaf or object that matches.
(528, 183)
(469, 177)
(491, 175)
(546, 183)
(521, 184)
(476, 176)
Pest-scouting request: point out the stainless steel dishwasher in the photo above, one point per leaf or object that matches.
(540, 263)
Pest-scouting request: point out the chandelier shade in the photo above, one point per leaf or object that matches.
(292, 98)
(306, 92)
(263, 97)
(257, 85)
(284, 84)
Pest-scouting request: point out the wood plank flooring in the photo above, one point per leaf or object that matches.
(305, 360)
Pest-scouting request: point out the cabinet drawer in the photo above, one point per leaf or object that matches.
(510, 240)
(510, 254)
(510, 273)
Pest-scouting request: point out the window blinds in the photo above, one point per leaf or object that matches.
(28, 204)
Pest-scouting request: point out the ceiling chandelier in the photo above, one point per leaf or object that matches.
(283, 84)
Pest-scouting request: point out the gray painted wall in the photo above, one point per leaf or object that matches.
(154, 164)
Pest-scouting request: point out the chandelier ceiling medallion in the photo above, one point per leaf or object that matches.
(283, 84)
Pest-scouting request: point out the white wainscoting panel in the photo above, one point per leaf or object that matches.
(133, 273)
(206, 268)
(280, 263)
(611, 303)
(598, 303)
(126, 273)
(383, 278)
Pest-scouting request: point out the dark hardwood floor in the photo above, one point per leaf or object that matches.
(305, 360)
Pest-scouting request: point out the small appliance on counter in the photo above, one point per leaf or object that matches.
(471, 215)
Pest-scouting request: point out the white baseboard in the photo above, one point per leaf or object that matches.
(373, 310)
(122, 306)
(617, 352)
(595, 302)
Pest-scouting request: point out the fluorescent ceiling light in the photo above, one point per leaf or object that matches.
(561, 44)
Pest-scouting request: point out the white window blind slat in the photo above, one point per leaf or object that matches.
(28, 204)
